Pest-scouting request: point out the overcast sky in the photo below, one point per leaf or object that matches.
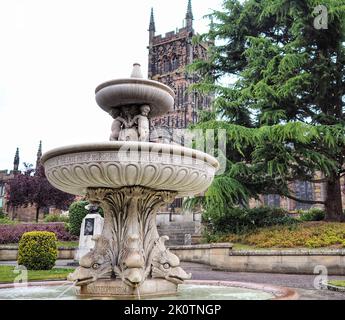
(54, 53)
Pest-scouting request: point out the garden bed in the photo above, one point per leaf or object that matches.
(301, 235)
(12, 233)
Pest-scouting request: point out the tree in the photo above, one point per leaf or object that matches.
(284, 113)
(25, 189)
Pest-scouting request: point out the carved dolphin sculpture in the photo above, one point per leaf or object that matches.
(133, 264)
(166, 265)
(94, 265)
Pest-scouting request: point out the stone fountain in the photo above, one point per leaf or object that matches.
(130, 178)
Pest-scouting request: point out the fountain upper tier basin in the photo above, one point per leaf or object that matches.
(75, 168)
(135, 91)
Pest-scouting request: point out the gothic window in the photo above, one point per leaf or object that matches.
(158, 68)
(272, 200)
(166, 65)
(175, 63)
(180, 97)
(2, 190)
(303, 190)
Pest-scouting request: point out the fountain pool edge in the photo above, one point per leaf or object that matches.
(280, 293)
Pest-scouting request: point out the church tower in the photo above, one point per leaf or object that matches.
(168, 57)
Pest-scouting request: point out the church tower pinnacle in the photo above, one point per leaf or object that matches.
(189, 15)
(16, 161)
(152, 26)
(39, 154)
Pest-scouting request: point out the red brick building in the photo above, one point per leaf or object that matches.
(23, 214)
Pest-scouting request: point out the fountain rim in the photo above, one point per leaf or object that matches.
(144, 147)
(147, 82)
(279, 293)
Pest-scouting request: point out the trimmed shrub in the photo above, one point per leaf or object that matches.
(13, 233)
(313, 214)
(38, 250)
(239, 220)
(77, 213)
(2, 214)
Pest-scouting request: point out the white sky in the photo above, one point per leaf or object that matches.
(53, 54)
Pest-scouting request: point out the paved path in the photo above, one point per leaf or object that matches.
(303, 284)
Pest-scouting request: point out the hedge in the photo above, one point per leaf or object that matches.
(77, 213)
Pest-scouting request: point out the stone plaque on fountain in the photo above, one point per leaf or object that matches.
(91, 227)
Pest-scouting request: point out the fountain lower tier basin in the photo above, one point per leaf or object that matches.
(164, 167)
(190, 290)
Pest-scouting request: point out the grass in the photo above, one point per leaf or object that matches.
(7, 274)
(338, 283)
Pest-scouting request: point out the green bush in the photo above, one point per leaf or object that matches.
(37, 250)
(56, 218)
(77, 213)
(6, 220)
(313, 214)
(240, 220)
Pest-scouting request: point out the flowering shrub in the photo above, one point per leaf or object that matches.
(310, 235)
(13, 233)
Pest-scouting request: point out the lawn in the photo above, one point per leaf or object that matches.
(7, 274)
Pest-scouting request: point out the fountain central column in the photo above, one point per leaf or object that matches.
(129, 255)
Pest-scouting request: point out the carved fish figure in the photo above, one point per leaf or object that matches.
(166, 264)
(133, 262)
(94, 265)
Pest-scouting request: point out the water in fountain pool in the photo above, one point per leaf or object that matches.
(185, 292)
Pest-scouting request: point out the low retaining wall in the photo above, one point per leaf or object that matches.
(10, 253)
(222, 257)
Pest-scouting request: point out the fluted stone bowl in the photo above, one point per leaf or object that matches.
(135, 91)
(118, 164)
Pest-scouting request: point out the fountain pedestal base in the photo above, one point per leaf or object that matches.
(117, 288)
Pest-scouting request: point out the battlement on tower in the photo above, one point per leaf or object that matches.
(170, 36)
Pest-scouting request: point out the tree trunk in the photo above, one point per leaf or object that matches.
(333, 206)
(37, 213)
